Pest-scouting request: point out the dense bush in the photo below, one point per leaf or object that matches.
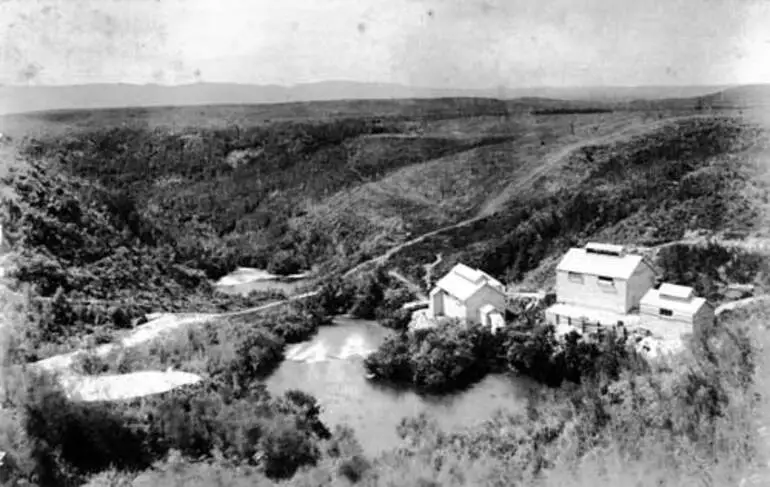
(439, 359)
(284, 262)
(255, 179)
(454, 354)
(68, 441)
(398, 320)
(709, 267)
(371, 295)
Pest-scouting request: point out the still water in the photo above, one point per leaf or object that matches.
(330, 367)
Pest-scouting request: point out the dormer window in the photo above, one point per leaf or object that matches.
(666, 312)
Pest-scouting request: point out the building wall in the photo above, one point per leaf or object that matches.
(704, 318)
(678, 315)
(678, 324)
(641, 281)
(453, 308)
(485, 295)
(436, 303)
(590, 293)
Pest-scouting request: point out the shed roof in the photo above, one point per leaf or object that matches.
(689, 307)
(463, 282)
(675, 291)
(585, 262)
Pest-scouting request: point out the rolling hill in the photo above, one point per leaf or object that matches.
(21, 99)
(329, 192)
(736, 98)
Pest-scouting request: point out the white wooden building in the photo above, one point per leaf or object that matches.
(468, 294)
(674, 310)
(599, 283)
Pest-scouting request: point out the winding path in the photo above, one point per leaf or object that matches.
(496, 203)
(159, 325)
(168, 321)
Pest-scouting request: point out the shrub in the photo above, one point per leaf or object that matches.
(71, 439)
(284, 262)
(440, 359)
(284, 449)
(398, 320)
(354, 468)
(120, 318)
(89, 363)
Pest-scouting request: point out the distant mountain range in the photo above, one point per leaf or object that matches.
(20, 99)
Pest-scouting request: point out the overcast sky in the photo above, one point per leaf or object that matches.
(437, 43)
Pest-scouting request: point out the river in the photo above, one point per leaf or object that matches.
(330, 368)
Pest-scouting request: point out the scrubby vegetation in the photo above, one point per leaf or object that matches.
(112, 223)
(688, 174)
(453, 355)
(236, 350)
(255, 180)
(68, 441)
(709, 268)
(660, 424)
(370, 295)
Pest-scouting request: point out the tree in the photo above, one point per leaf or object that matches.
(284, 449)
(284, 262)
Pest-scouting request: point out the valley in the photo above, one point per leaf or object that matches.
(118, 234)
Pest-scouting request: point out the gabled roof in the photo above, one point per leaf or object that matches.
(463, 282)
(584, 261)
(658, 299)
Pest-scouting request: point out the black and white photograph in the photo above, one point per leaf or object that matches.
(404, 243)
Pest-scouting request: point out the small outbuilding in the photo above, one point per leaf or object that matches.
(675, 309)
(468, 294)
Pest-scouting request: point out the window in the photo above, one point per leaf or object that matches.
(666, 312)
(575, 277)
(606, 281)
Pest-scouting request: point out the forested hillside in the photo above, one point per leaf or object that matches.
(690, 173)
(225, 197)
(109, 223)
(142, 219)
